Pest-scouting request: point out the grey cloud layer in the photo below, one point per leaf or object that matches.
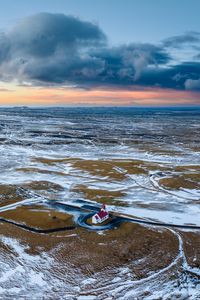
(51, 49)
(191, 37)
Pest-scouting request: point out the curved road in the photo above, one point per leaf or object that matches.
(81, 219)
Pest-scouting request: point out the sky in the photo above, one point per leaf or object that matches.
(100, 52)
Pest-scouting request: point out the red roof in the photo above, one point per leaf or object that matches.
(102, 214)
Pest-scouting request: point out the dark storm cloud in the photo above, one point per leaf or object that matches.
(174, 77)
(4, 47)
(43, 34)
(49, 47)
(178, 41)
(193, 84)
(129, 61)
(55, 49)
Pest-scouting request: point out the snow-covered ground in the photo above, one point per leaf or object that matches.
(165, 139)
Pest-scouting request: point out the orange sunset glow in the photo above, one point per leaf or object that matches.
(68, 96)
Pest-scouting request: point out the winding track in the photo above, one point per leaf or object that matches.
(82, 217)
